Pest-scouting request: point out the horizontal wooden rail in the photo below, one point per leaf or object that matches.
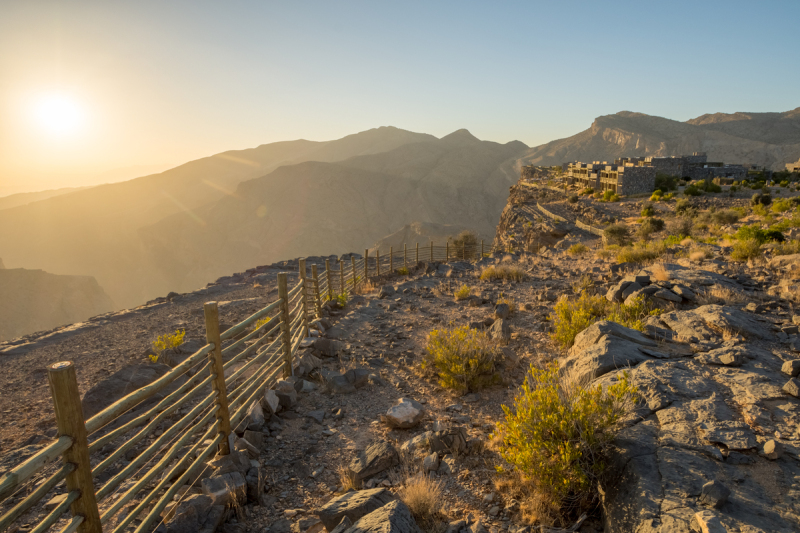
(23, 472)
(241, 326)
(117, 408)
(34, 497)
(56, 513)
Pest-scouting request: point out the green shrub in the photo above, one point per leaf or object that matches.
(746, 249)
(338, 297)
(508, 272)
(463, 358)
(710, 186)
(648, 211)
(726, 216)
(642, 252)
(571, 316)
(168, 340)
(650, 226)
(784, 183)
(656, 196)
(609, 196)
(680, 226)
(558, 434)
(402, 271)
(733, 188)
(692, 190)
(781, 206)
(666, 183)
(572, 198)
(587, 191)
(760, 210)
(762, 236)
(761, 199)
(577, 249)
(616, 234)
(683, 207)
(463, 292)
(787, 248)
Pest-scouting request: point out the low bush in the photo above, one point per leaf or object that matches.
(669, 196)
(650, 226)
(666, 183)
(642, 252)
(558, 434)
(725, 216)
(616, 234)
(746, 249)
(610, 196)
(424, 497)
(787, 248)
(572, 198)
(338, 297)
(733, 188)
(571, 316)
(692, 190)
(169, 340)
(683, 207)
(587, 191)
(656, 196)
(463, 358)
(781, 206)
(762, 236)
(648, 210)
(463, 292)
(402, 271)
(760, 210)
(710, 186)
(681, 226)
(577, 249)
(507, 272)
(760, 199)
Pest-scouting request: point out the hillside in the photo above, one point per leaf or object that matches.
(764, 139)
(33, 300)
(423, 233)
(25, 198)
(324, 208)
(95, 231)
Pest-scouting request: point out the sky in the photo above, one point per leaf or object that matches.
(92, 92)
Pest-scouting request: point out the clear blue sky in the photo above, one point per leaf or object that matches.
(159, 83)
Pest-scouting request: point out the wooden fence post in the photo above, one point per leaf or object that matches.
(366, 265)
(330, 279)
(378, 261)
(481, 248)
(353, 268)
(315, 277)
(341, 276)
(447, 251)
(391, 260)
(431, 251)
(301, 268)
(417, 256)
(286, 334)
(211, 312)
(405, 256)
(70, 422)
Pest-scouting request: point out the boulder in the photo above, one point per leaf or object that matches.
(791, 368)
(255, 417)
(358, 377)
(792, 387)
(502, 311)
(772, 449)
(630, 289)
(453, 440)
(707, 522)
(353, 505)
(386, 291)
(405, 414)
(271, 401)
(394, 517)
(431, 463)
(714, 494)
(225, 488)
(376, 458)
(189, 515)
(338, 384)
(684, 292)
(286, 393)
(343, 526)
(706, 322)
(328, 347)
(500, 331)
(666, 294)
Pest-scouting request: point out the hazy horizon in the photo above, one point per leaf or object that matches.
(91, 88)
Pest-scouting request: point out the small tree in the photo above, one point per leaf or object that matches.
(465, 244)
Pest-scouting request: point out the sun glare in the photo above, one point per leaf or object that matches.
(58, 114)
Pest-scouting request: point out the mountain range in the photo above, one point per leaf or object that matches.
(179, 229)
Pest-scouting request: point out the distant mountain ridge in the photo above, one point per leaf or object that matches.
(764, 139)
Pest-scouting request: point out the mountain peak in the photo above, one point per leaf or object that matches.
(460, 136)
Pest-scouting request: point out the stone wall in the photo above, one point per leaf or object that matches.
(636, 180)
(735, 172)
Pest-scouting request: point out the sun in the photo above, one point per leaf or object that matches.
(58, 114)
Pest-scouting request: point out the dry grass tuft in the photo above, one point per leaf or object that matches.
(365, 288)
(660, 272)
(424, 497)
(719, 294)
(687, 241)
(463, 292)
(509, 301)
(503, 272)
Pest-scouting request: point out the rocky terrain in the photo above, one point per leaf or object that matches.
(712, 444)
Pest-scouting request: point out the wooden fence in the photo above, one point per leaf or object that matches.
(149, 447)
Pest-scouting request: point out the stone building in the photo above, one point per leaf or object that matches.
(695, 167)
(625, 176)
(793, 167)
